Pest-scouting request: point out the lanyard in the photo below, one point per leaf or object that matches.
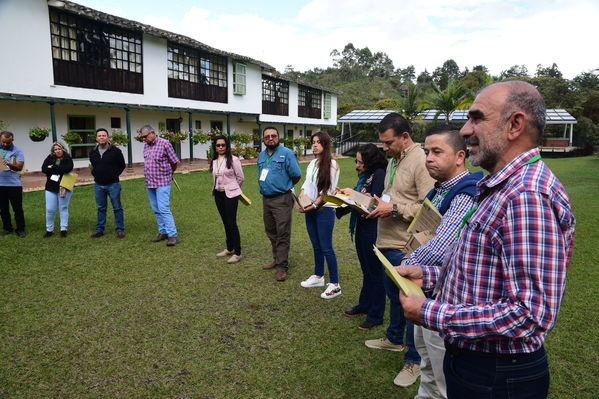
(219, 165)
(475, 206)
(314, 171)
(394, 167)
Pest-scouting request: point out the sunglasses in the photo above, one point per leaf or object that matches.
(220, 145)
(143, 136)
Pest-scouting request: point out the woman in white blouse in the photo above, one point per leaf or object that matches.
(322, 176)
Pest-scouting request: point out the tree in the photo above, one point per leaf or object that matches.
(480, 68)
(552, 71)
(515, 71)
(588, 80)
(447, 100)
(381, 65)
(409, 105)
(424, 81)
(407, 74)
(475, 80)
(447, 72)
(388, 103)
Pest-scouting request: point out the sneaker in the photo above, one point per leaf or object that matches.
(332, 291)
(97, 234)
(48, 234)
(408, 375)
(354, 312)
(367, 325)
(384, 343)
(63, 234)
(234, 259)
(224, 253)
(313, 281)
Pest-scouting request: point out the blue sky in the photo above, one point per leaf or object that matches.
(497, 34)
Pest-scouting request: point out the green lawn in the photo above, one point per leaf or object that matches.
(85, 318)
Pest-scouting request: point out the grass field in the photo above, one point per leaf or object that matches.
(89, 318)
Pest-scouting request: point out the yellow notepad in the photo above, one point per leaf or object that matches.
(244, 199)
(406, 286)
(68, 180)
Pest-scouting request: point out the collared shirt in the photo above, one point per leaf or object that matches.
(502, 286)
(310, 185)
(10, 178)
(431, 253)
(159, 156)
(282, 167)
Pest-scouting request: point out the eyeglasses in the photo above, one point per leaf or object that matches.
(143, 136)
(268, 136)
(220, 145)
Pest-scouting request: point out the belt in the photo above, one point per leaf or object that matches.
(277, 194)
(457, 351)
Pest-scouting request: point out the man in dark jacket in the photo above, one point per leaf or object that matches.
(107, 164)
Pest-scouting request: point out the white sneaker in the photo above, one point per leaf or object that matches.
(332, 291)
(408, 375)
(234, 259)
(224, 253)
(313, 281)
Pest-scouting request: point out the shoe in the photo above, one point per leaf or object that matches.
(281, 275)
(408, 375)
(159, 237)
(97, 234)
(269, 266)
(224, 253)
(120, 234)
(354, 312)
(332, 291)
(367, 325)
(5, 232)
(63, 234)
(172, 241)
(48, 234)
(313, 281)
(234, 259)
(21, 233)
(384, 343)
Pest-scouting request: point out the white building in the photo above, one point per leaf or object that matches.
(75, 69)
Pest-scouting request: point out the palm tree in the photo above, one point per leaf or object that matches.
(446, 101)
(410, 106)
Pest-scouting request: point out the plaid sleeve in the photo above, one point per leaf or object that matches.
(170, 153)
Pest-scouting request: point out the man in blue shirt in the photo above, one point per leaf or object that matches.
(11, 189)
(278, 171)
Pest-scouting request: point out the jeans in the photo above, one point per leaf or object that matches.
(372, 294)
(12, 195)
(227, 208)
(160, 202)
(55, 202)
(398, 324)
(320, 229)
(114, 192)
(520, 376)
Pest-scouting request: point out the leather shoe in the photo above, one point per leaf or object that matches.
(97, 234)
(5, 232)
(120, 234)
(20, 233)
(354, 312)
(159, 237)
(269, 266)
(171, 241)
(281, 275)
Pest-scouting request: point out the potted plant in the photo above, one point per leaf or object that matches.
(119, 138)
(199, 137)
(37, 133)
(174, 137)
(72, 138)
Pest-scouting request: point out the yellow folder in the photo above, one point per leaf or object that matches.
(244, 199)
(406, 286)
(68, 180)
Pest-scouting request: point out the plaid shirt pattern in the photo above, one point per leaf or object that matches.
(431, 253)
(158, 158)
(502, 285)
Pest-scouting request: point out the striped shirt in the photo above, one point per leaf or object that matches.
(503, 283)
(431, 253)
(159, 157)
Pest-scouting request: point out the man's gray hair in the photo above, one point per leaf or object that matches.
(147, 128)
(8, 134)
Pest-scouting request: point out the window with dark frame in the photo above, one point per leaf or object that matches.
(84, 126)
(275, 96)
(93, 54)
(115, 123)
(309, 102)
(198, 125)
(196, 74)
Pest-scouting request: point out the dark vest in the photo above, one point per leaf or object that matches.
(466, 185)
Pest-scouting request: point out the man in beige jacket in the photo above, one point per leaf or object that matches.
(406, 184)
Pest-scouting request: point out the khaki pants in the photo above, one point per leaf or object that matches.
(431, 348)
(277, 213)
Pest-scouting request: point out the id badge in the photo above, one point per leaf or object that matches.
(385, 197)
(55, 178)
(263, 174)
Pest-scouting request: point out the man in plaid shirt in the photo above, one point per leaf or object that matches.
(160, 162)
(500, 288)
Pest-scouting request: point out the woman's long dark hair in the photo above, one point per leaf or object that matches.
(372, 157)
(228, 155)
(324, 162)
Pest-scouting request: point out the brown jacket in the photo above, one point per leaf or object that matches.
(410, 186)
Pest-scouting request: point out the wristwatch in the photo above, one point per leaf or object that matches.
(394, 211)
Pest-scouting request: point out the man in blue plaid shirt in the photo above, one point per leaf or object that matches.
(499, 291)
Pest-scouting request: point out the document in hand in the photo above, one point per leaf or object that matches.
(427, 218)
(406, 286)
(356, 200)
(417, 240)
(302, 201)
(68, 180)
(245, 199)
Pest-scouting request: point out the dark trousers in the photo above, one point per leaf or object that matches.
(480, 376)
(372, 295)
(227, 208)
(13, 196)
(277, 214)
